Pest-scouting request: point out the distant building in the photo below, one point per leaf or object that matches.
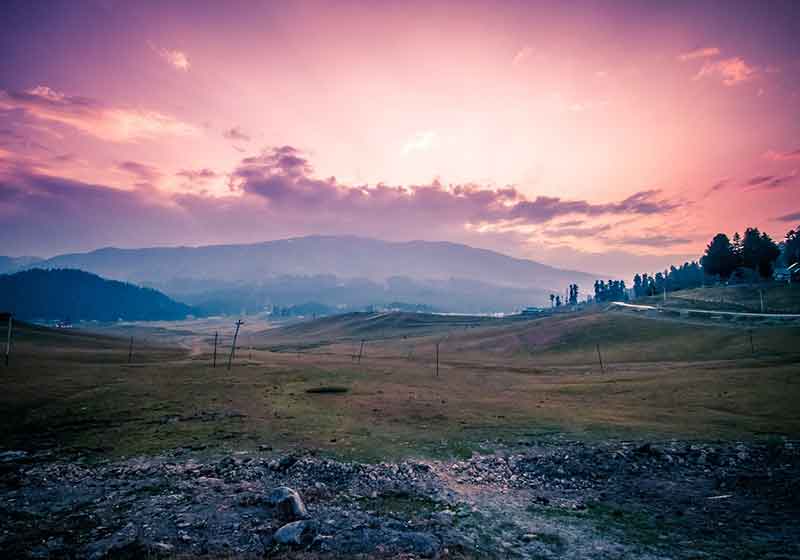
(789, 274)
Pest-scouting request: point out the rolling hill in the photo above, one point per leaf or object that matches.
(61, 294)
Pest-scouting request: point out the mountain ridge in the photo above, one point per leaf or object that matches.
(345, 272)
(353, 246)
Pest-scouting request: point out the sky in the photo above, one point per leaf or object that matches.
(606, 136)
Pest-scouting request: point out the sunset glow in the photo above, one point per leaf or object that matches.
(564, 132)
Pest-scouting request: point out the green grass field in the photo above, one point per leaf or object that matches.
(510, 379)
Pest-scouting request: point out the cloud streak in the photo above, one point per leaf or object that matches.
(792, 217)
(704, 52)
(142, 171)
(197, 175)
(276, 193)
(652, 240)
(770, 181)
(782, 156)
(236, 134)
(284, 178)
(92, 117)
(732, 71)
(175, 58)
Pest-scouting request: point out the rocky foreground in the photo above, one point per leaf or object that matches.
(551, 499)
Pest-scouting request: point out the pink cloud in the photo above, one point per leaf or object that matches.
(276, 194)
(141, 171)
(732, 71)
(704, 52)
(90, 116)
(782, 156)
(771, 181)
(197, 175)
(284, 178)
(175, 58)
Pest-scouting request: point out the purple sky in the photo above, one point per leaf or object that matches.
(607, 136)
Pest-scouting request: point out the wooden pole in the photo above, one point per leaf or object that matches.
(437, 359)
(214, 359)
(752, 347)
(239, 323)
(360, 351)
(761, 297)
(8, 339)
(130, 351)
(599, 357)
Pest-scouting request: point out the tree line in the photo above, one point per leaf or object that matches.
(749, 257)
(752, 256)
(687, 275)
(570, 299)
(755, 251)
(613, 290)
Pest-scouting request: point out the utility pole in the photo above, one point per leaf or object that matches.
(761, 297)
(360, 351)
(239, 323)
(752, 347)
(665, 293)
(8, 339)
(130, 351)
(437, 359)
(214, 359)
(599, 357)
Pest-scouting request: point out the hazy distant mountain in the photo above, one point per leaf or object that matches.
(344, 257)
(77, 295)
(348, 272)
(358, 294)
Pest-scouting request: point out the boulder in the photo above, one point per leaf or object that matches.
(287, 502)
(296, 533)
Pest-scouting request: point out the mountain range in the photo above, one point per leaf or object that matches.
(341, 271)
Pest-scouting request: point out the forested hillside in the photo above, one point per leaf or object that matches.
(66, 294)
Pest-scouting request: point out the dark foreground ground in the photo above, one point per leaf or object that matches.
(534, 499)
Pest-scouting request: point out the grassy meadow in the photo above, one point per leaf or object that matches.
(304, 387)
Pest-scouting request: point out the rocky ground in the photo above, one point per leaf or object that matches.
(541, 499)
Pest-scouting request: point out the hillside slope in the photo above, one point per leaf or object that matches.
(76, 295)
(777, 298)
